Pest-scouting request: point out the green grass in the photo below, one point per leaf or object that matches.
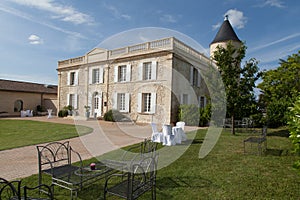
(19, 133)
(226, 173)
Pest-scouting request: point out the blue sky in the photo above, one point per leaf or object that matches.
(36, 34)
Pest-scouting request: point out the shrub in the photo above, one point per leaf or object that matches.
(205, 114)
(113, 116)
(189, 114)
(63, 113)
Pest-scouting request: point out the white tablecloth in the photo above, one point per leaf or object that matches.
(173, 135)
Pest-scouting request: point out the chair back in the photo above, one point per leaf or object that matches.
(148, 148)
(180, 124)
(143, 176)
(154, 127)
(167, 130)
(8, 190)
(54, 152)
(32, 192)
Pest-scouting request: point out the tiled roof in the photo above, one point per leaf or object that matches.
(226, 33)
(19, 86)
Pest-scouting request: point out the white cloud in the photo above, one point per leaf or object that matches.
(216, 26)
(28, 17)
(64, 13)
(116, 13)
(236, 18)
(168, 18)
(276, 42)
(273, 3)
(34, 39)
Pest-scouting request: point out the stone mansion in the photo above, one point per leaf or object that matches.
(146, 81)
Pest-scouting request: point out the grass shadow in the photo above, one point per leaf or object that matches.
(197, 141)
(182, 181)
(277, 152)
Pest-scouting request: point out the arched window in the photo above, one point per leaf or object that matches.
(18, 106)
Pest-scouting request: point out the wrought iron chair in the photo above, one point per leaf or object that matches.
(12, 190)
(258, 140)
(55, 159)
(139, 179)
(133, 155)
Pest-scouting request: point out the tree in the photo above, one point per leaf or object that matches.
(239, 81)
(280, 88)
(294, 127)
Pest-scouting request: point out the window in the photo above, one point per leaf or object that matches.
(96, 76)
(146, 102)
(121, 101)
(185, 99)
(73, 78)
(72, 100)
(195, 77)
(147, 71)
(96, 102)
(122, 73)
(202, 102)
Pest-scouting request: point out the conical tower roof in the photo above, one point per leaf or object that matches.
(225, 33)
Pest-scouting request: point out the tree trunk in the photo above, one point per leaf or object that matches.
(232, 125)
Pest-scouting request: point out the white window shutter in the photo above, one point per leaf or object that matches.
(127, 101)
(76, 101)
(153, 103)
(68, 99)
(140, 71)
(115, 101)
(204, 101)
(68, 78)
(76, 78)
(139, 103)
(101, 75)
(153, 70)
(116, 74)
(90, 75)
(128, 72)
(199, 79)
(191, 75)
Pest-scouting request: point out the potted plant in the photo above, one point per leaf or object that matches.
(87, 111)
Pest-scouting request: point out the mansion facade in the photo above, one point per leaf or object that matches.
(147, 81)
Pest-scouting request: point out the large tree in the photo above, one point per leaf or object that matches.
(239, 81)
(280, 88)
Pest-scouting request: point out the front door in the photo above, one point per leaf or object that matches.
(97, 105)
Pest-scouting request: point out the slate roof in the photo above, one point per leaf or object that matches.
(18, 86)
(226, 33)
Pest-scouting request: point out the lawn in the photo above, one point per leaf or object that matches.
(226, 173)
(18, 133)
